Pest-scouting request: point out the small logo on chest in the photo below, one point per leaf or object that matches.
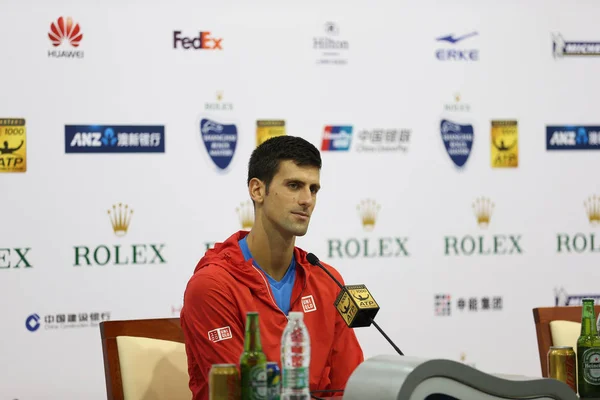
(308, 304)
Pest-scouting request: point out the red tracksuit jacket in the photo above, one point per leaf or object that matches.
(224, 288)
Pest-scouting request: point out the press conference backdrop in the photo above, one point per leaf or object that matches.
(460, 156)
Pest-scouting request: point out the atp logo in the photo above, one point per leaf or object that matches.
(32, 323)
(456, 54)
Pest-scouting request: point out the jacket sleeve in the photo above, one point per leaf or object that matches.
(346, 355)
(213, 330)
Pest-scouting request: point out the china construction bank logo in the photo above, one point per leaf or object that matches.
(583, 242)
(13, 145)
(562, 298)
(573, 137)
(564, 48)
(370, 245)
(455, 47)
(483, 244)
(120, 253)
(114, 139)
(456, 132)
(65, 37)
(35, 322)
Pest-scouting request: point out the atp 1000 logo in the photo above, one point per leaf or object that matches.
(368, 246)
(120, 217)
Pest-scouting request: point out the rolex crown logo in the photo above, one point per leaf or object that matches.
(219, 95)
(246, 214)
(368, 210)
(483, 208)
(592, 207)
(120, 218)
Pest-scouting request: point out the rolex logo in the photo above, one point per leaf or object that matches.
(246, 214)
(483, 207)
(219, 95)
(120, 218)
(368, 210)
(592, 207)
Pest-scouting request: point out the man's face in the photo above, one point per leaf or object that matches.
(292, 197)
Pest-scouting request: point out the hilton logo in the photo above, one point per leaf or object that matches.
(118, 254)
(368, 247)
(469, 245)
(582, 242)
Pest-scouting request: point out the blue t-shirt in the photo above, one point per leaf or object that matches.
(282, 290)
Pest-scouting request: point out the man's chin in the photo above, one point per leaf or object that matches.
(300, 231)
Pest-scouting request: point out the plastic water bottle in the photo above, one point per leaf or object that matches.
(295, 359)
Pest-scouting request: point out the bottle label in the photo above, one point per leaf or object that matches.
(258, 383)
(591, 365)
(295, 378)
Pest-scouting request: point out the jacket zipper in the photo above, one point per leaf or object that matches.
(269, 291)
(300, 295)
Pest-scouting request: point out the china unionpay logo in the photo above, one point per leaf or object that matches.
(336, 138)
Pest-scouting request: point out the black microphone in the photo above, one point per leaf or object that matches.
(355, 313)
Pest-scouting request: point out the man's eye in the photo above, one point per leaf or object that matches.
(293, 185)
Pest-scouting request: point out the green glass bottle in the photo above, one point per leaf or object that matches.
(588, 354)
(253, 362)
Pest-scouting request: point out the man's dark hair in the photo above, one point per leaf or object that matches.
(265, 159)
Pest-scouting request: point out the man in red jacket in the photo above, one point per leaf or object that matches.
(264, 271)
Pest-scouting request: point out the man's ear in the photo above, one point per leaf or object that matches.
(257, 190)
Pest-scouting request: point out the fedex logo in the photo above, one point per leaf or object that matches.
(308, 304)
(204, 41)
(216, 335)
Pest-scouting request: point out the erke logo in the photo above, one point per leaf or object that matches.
(457, 54)
(308, 304)
(201, 42)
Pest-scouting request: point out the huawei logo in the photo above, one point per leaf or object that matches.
(65, 30)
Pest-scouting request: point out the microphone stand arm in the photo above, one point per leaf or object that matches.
(386, 337)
